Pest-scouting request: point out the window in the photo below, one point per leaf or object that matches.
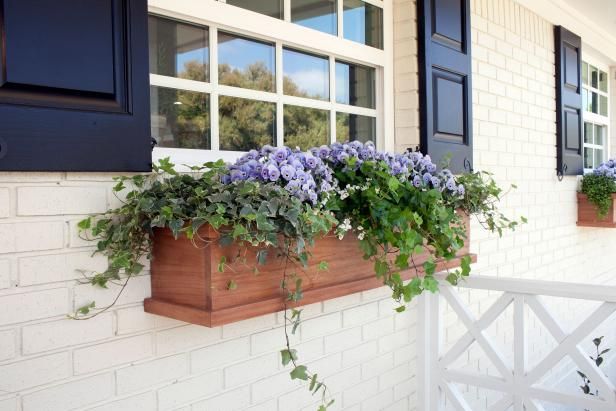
(221, 85)
(595, 99)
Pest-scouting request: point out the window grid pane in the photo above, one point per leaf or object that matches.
(180, 119)
(245, 124)
(246, 63)
(178, 49)
(320, 15)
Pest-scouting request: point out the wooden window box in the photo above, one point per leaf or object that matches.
(588, 215)
(187, 286)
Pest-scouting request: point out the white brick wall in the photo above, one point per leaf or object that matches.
(129, 360)
(126, 359)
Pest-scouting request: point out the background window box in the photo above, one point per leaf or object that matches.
(588, 215)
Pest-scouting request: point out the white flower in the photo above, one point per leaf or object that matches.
(361, 235)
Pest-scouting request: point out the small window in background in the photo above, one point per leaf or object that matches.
(272, 8)
(305, 75)
(363, 23)
(180, 119)
(246, 124)
(305, 127)
(178, 49)
(351, 127)
(355, 85)
(246, 63)
(315, 14)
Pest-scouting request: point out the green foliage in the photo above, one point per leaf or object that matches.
(598, 359)
(599, 190)
(398, 221)
(480, 199)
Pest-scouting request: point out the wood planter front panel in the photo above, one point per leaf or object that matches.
(186, 283)
(588, 215)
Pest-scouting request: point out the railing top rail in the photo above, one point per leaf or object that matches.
(593, 292)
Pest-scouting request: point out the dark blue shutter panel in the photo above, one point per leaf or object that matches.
(74, 85)
(445, 81)
(569, 120)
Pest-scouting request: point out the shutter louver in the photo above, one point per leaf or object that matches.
(74, 86)
(569, 122)
(445, 81)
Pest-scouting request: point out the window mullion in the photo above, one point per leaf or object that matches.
(332, 98)
(280, 93)
(214, 124)
(340, 16)
(287, 10)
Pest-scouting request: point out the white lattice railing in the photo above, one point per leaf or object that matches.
(514, 379)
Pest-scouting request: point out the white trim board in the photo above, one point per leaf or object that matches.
(559, 13)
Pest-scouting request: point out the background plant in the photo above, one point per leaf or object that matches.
(599, 187)
(598, 359)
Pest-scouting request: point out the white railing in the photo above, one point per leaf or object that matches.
(517, 382)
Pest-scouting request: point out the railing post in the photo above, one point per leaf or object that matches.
(428, 351)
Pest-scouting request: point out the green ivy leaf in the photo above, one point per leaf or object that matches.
(430, 283)
(299, 373)
(287, 356)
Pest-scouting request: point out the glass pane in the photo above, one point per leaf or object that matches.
(599, 132)
(594, 102)
(363, 23)
(355, 85)
(246, 63)
(272, 8)
(588, 136)
(316, 14)
(351, 127)
(603, 105)
(305, 75)
(603, 81)
(178, 49)
(594, 77)
(585, 100)
(305, 127)
(180, 118)
(598, 157)
(588, 157)
(246, 124)
(585, 73)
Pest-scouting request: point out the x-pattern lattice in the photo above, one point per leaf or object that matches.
(516, 381)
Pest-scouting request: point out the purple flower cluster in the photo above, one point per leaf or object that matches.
(301, 174)
(408, 166)
(607, 169)
(309, 175)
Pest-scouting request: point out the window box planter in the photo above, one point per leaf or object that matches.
(187, 286)
(588, 215)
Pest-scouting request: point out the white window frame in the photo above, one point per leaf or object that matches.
(596, 118)
(217, 15)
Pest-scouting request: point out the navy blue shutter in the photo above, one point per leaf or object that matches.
(569, 121)
(445, 81)
(74, 85)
